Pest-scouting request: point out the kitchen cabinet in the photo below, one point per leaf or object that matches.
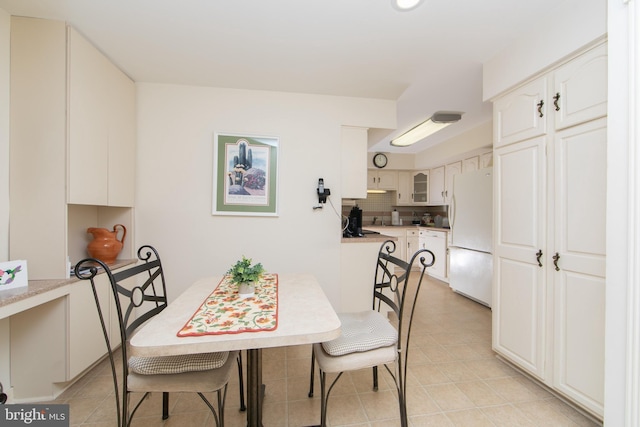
(64, 321)
(404, 195)
(436, 185)
(549, 225)
(382, 180)
(413, 243)
(471, 164)
(102, 128)
(46, 155)
(486, 160)
(420, 181)
(436, 242)
(413, 188)
(353, 148)
(441, 186)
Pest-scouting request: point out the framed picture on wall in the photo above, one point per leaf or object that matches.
(245, 175)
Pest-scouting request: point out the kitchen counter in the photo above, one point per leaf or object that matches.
(381, 228)
(379, 238)
(369, 238)
(38, 292)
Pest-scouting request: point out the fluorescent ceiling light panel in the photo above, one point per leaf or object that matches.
(433, 124)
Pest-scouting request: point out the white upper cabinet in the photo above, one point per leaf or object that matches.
(471, 164)
(521, 114)
(101, 128)
(436, 185)
(575, 98)
(354, 162)
(382, 180)
(404, 195)
(420, 180)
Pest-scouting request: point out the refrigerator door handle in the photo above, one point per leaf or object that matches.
(451, 214)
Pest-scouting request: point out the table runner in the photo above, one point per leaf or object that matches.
(223, 312)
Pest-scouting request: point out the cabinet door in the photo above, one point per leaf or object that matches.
(86, 340)
(436, 242)
(449, 171)
(579, 280)
(580, 89)
(382, 180)
(486, 160)
(121, 138)
(387, 180)
(421, 187)
(521, 114)
(471, 164)
(405, 185)
(436, 186)
(519, 312)
(88, 123)
(413, 243)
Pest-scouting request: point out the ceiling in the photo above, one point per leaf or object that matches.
(429, 59)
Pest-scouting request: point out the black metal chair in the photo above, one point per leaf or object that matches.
(370, 339)
(137, 294)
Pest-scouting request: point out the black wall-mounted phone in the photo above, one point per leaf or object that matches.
(322, 192)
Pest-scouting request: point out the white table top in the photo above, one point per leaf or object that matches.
(305, 316)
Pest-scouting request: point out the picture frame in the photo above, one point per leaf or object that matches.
(245, 175)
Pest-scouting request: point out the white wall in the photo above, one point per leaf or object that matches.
(569, 26)
(4, 183)
(474, 141)
(176, 126)
(622, 352)
(4, 134)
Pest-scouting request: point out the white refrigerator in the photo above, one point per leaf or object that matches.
(471, 221)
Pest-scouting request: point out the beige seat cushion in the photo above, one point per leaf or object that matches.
(177, 364)
(196, 381)
(361, 332)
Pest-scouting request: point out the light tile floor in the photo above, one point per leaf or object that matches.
(454, 380)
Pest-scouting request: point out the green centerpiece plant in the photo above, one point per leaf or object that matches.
(245, 275)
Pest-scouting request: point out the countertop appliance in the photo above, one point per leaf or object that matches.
(354, 227)
(471, 218)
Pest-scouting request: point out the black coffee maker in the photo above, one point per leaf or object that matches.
(354, 228)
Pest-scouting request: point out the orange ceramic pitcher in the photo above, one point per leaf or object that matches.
(105, 245)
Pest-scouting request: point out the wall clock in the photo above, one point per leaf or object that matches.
(380, 160)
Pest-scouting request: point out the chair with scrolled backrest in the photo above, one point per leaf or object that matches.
(370, 339)
(134, 305)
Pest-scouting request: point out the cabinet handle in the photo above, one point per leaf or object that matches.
(540, 105)
(538, 256)
(556, 257)
(556, 100)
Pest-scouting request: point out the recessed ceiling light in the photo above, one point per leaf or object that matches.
(405, 5)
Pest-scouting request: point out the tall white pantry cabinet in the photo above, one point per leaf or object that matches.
(73, 132)
(550, 146)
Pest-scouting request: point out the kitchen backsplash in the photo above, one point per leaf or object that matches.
(377, 208)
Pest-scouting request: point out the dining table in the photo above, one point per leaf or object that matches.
(304, 315)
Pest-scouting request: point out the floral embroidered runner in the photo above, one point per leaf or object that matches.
(223, 312)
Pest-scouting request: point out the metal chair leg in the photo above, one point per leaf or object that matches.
(313, 365)
(165, 405)
(243, 407)
(375, 378)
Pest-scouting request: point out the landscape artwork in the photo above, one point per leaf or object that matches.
(245, 175)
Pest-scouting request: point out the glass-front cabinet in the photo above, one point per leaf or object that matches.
(421, 187)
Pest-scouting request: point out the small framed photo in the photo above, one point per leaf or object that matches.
(245, 175)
